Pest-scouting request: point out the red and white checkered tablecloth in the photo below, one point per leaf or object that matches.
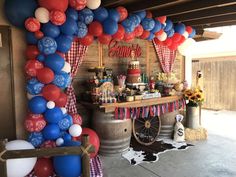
(166, 57)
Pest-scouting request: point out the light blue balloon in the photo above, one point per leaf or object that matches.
(47, 45)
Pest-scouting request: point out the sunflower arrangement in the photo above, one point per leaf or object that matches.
(194, 96)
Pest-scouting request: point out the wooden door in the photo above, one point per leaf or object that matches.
(219, 82)
(7, 114)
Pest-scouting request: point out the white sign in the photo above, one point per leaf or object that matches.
(0, 40)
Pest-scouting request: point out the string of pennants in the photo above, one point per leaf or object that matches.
(147, 111)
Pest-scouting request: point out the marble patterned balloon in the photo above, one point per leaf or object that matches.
(36, 139)
(82, 29)
(65, 123)
(86, 16)
(34, 87)
(47, 45)
(62, 80)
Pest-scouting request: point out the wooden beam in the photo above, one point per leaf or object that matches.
(224, 18)
(220, 24)
(107, 3)
(192, 6)
(151, 4)
(214, 12)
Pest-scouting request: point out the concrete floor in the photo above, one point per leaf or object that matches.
(215, 157)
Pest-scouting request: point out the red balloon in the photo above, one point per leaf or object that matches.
(129, 37)
(62, 100)
(168, 42)
(78, 4)
(176, 37)
(119, 35)
(48, 144)
(77, 119)
(32, 52)
(38, 34)
(43, 167)
(182, 39)
(32, 24)
(145, 34)
(148, 14)
(34, 123)
(51, 92)
(138, 31)
(173, 46)
(57, 17)
(189, 29)
(123, 13)
(86, 40)
(159, 33)
(95, 28)
(105, 39)
(93, 139)
(45, 75)
(158, 42)
(161, 19)
(61, 54)
(32, 67)
(61, 5)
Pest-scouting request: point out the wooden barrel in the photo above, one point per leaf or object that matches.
(114, 134)
(167, 124)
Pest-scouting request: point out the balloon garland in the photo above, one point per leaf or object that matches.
(51, 27)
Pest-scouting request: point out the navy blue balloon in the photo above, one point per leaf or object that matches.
(53, 115)
(157, 27)
(62, 80)
(83, 30)
(135, 19)
(65, 123)
(179, 28)
(64, 43)
(151, 37)
(66, 136)
(148, 24)
(69, 165)
(110, 26)
(36, 139)
(69, 27)
(100, 14)
(169, 25)
(51, 132)
(72, 13)
(192, 34)
(18, 11)
(37, 105)
(54, 62)
(51, 30)
(170, 33)
(40, 57)
(47, 45)
(141, 14)
(128, 25)
(34, 87)
(30, 38)
(114, 15)
(86, 16)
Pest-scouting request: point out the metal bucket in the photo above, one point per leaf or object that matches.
(192, 113)
(167, 124)
(114, 134)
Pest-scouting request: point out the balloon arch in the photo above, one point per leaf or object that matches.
(51, 27)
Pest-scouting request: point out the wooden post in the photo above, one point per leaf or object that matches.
(3, 164)
(85, 157)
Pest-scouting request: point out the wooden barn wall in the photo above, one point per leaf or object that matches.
(219, 81)
(148, 61)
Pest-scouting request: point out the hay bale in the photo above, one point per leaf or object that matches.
(195, 134)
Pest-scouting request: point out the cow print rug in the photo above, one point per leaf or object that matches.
(138, 153)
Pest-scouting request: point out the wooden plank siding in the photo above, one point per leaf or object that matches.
(219, 81)
(148, 61)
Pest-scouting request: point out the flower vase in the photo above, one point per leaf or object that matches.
(192, 115)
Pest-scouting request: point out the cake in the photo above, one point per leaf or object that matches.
(134, 73)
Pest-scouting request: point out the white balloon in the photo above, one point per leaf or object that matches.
(186, 34)
(93, 4)
(66, 68)
(162, 37)
(51, 104)
(185, 46)
(64, 111)
(19, 167)
(59, 141)
(75, 130)
(42, 15)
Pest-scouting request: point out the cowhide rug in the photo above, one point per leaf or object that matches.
(138, 153)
